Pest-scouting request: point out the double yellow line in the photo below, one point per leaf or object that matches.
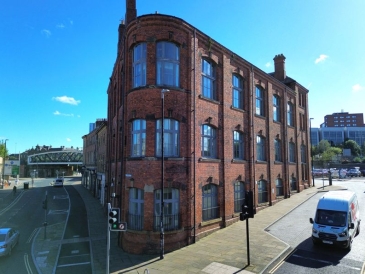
(27, 265)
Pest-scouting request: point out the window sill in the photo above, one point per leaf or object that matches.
(238, 109)
(278, 163)
(156, 158)
(209, 99)
(238, 161)
(209, 160)
(261, 162)
(259, 116)
(213, 221)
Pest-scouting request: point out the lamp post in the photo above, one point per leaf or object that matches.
(162, 172)
(310, 139)
(4, 141)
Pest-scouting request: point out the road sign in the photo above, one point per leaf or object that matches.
(119, 227)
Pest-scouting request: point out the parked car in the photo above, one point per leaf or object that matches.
(9, 237)
(353, 173)
(362, 172)
(317, 172)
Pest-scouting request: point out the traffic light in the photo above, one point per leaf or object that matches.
(44, 204)
(244, 214)
(114, 217)
(251, 210)
(114, 220)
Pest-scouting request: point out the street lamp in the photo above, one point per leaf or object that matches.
(310, 139)
(162, 171)
(4, 161)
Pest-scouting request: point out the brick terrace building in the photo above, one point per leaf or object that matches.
(227, 125)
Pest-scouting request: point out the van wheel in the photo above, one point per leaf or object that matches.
(358, 229)
(349, 246)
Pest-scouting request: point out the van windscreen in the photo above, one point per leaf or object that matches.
(331, 217)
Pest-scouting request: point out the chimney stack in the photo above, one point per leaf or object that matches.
(279, 61)
(131, 11)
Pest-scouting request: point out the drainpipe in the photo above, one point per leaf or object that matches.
(252, 162)
(268, 120)
(194, 139)
(285, 143)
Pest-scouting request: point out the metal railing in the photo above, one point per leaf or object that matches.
(210, 213)
(170, 222)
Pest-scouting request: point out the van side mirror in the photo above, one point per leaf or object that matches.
(352, 225)
(311, 220)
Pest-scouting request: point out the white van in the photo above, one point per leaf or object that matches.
(337, 219)
(58, 182)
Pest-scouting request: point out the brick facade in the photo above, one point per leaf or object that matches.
(190, 172)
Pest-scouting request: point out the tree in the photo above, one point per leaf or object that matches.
(353, 146)
(330, 153)
(323, 146)
(2, 150)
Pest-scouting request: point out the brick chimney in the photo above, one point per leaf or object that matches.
(131, 11)
(279, 61)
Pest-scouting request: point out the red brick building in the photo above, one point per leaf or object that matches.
(227, 124)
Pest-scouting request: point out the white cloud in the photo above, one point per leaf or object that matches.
(60, 26)
(68, 139)
(357, 88)
(62, 114)
(46, 32)
(321, 58)
(67, 100)
(268, 64)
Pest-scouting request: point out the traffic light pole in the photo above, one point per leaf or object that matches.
(248, 242)
(45, 205)
(108, 242)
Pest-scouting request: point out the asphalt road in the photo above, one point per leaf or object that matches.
(23, 212)
(295, 230)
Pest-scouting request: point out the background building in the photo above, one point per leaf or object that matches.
(227, 126)
(344, 119)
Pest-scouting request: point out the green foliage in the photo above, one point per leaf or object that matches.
(353, 146)
(323, 146)
(356, 160)
(2, 150)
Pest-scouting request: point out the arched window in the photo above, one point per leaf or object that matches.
(279, 187)
(259, 102)
(171, 138)
(239, 196)
(293, 183)
(277, 145)
(290, 112)
(208, 80)
(291, 152)
(138, 138)
(237, 91)
(210, 202)
(261, 148)
(262, 191)
(139, 65)
(168, 63)
(238, 145)
(171, 209)
(276, 108)
(303, 153)
(209, 142)
(136, 209)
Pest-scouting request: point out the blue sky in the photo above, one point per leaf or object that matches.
(56, 56)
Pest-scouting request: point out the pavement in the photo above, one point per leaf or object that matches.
(224, 251)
